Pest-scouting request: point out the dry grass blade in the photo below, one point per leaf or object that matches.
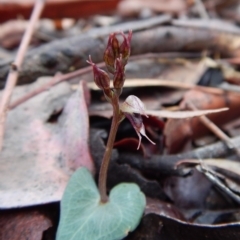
(183, 114)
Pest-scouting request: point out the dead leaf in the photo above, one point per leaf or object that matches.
(192, 128)
(23, 224)
(34, 168)
(75, 131)
(189, 192)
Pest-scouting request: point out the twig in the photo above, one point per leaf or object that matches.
(13, 74)
(54, 81)
(212, 176)
(166, 165)
(215, 129)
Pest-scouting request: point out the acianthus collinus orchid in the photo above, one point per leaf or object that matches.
(116, 57)
(88, 212)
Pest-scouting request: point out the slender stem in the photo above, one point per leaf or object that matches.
(102, 182)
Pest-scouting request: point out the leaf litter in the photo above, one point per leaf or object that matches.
(192, 200)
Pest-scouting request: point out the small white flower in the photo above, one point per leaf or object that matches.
(133, 108)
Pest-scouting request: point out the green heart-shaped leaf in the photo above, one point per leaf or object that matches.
(84, 217)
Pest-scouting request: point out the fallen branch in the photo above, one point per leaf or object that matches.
(71, 53)
(165, 165)
(15, 67)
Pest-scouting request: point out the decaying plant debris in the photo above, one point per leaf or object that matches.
(178, 64)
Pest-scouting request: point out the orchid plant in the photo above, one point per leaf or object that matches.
(87, 212)
(116, 57)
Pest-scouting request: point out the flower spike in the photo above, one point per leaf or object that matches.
(115, 49)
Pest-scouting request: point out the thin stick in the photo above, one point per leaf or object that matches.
(13, 74)
(54, 81)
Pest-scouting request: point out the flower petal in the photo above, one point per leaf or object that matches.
(133, 104)
(137, 123)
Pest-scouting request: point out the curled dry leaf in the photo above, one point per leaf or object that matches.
(192, 128)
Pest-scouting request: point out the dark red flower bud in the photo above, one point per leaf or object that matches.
(119, 75)
(115, 46)
(109, 57)
(114, 50)
(125, 47)
(101, 78)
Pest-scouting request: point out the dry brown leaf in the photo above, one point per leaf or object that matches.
(23, 225)
(187, 129)
(34, 168)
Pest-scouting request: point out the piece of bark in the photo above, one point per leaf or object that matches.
(71, 53)
(56, 9)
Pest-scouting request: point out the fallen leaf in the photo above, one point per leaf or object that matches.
(188, 192)
(34, 168)
(23, 224)
(75, 131)
(189, 129)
